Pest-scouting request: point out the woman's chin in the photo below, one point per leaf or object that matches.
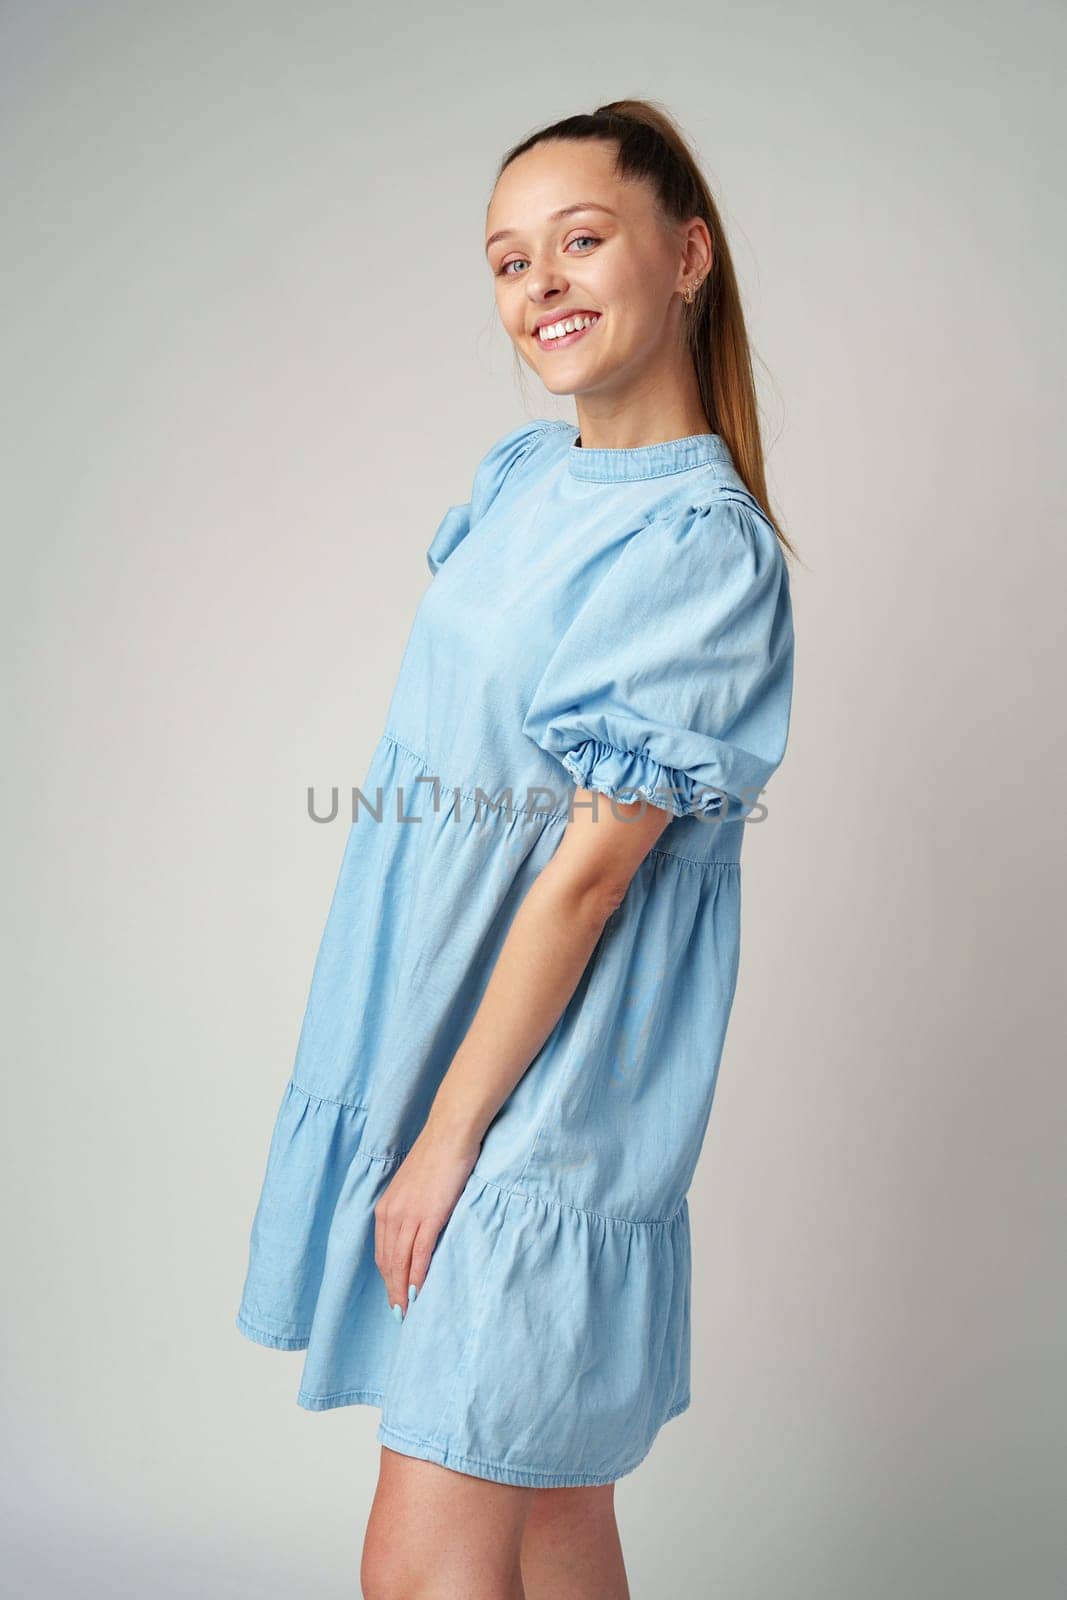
(567, 383)
(556, 386)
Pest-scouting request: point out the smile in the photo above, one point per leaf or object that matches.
(557, 334)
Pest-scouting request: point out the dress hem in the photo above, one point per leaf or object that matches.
(273, 1341)
(412, 1444)
(522, 1477)
(346, 1397)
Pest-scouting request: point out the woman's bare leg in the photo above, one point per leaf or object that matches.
(435, 1534)
(570, 1546)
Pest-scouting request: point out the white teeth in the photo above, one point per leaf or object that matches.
(556, 330)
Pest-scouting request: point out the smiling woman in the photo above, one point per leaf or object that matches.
(642, 249)
(474, 1213)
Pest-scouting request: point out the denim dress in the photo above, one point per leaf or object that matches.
(617, 620)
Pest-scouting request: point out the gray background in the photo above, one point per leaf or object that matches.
(250, 354)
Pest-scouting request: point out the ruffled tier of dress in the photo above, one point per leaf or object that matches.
(563, 1331)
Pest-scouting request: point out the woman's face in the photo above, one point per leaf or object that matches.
(611, 257)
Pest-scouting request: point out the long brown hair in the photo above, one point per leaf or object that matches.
(651, 146)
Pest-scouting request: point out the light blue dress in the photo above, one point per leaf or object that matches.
(619, 620)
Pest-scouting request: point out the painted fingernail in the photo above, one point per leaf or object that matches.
(412, 1292)
(397, 1313)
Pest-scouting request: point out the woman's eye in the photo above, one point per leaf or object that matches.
(518, 261)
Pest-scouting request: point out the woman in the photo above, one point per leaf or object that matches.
(474, 1213)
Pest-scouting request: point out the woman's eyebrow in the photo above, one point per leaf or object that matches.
(554, 216)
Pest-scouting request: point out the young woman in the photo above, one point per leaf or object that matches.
(474, 1213)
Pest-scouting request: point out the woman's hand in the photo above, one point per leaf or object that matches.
(414, 1208)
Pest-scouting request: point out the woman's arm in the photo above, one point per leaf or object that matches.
(547, 947)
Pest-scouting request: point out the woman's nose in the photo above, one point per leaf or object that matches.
(544, 283)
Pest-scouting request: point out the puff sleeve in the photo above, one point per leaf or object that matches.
(674, 679)
(489, 477)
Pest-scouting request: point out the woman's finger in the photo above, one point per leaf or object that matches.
(384, 1232)
(422, 1250)
(399, 1262)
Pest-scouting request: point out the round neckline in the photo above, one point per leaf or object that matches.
(646, 460)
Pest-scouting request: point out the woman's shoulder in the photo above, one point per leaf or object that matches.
(509, 456)
(530, 438)
(709, 498)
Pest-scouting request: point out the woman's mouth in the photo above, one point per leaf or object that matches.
(567, 331)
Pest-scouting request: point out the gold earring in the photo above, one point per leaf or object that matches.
(689, 292)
